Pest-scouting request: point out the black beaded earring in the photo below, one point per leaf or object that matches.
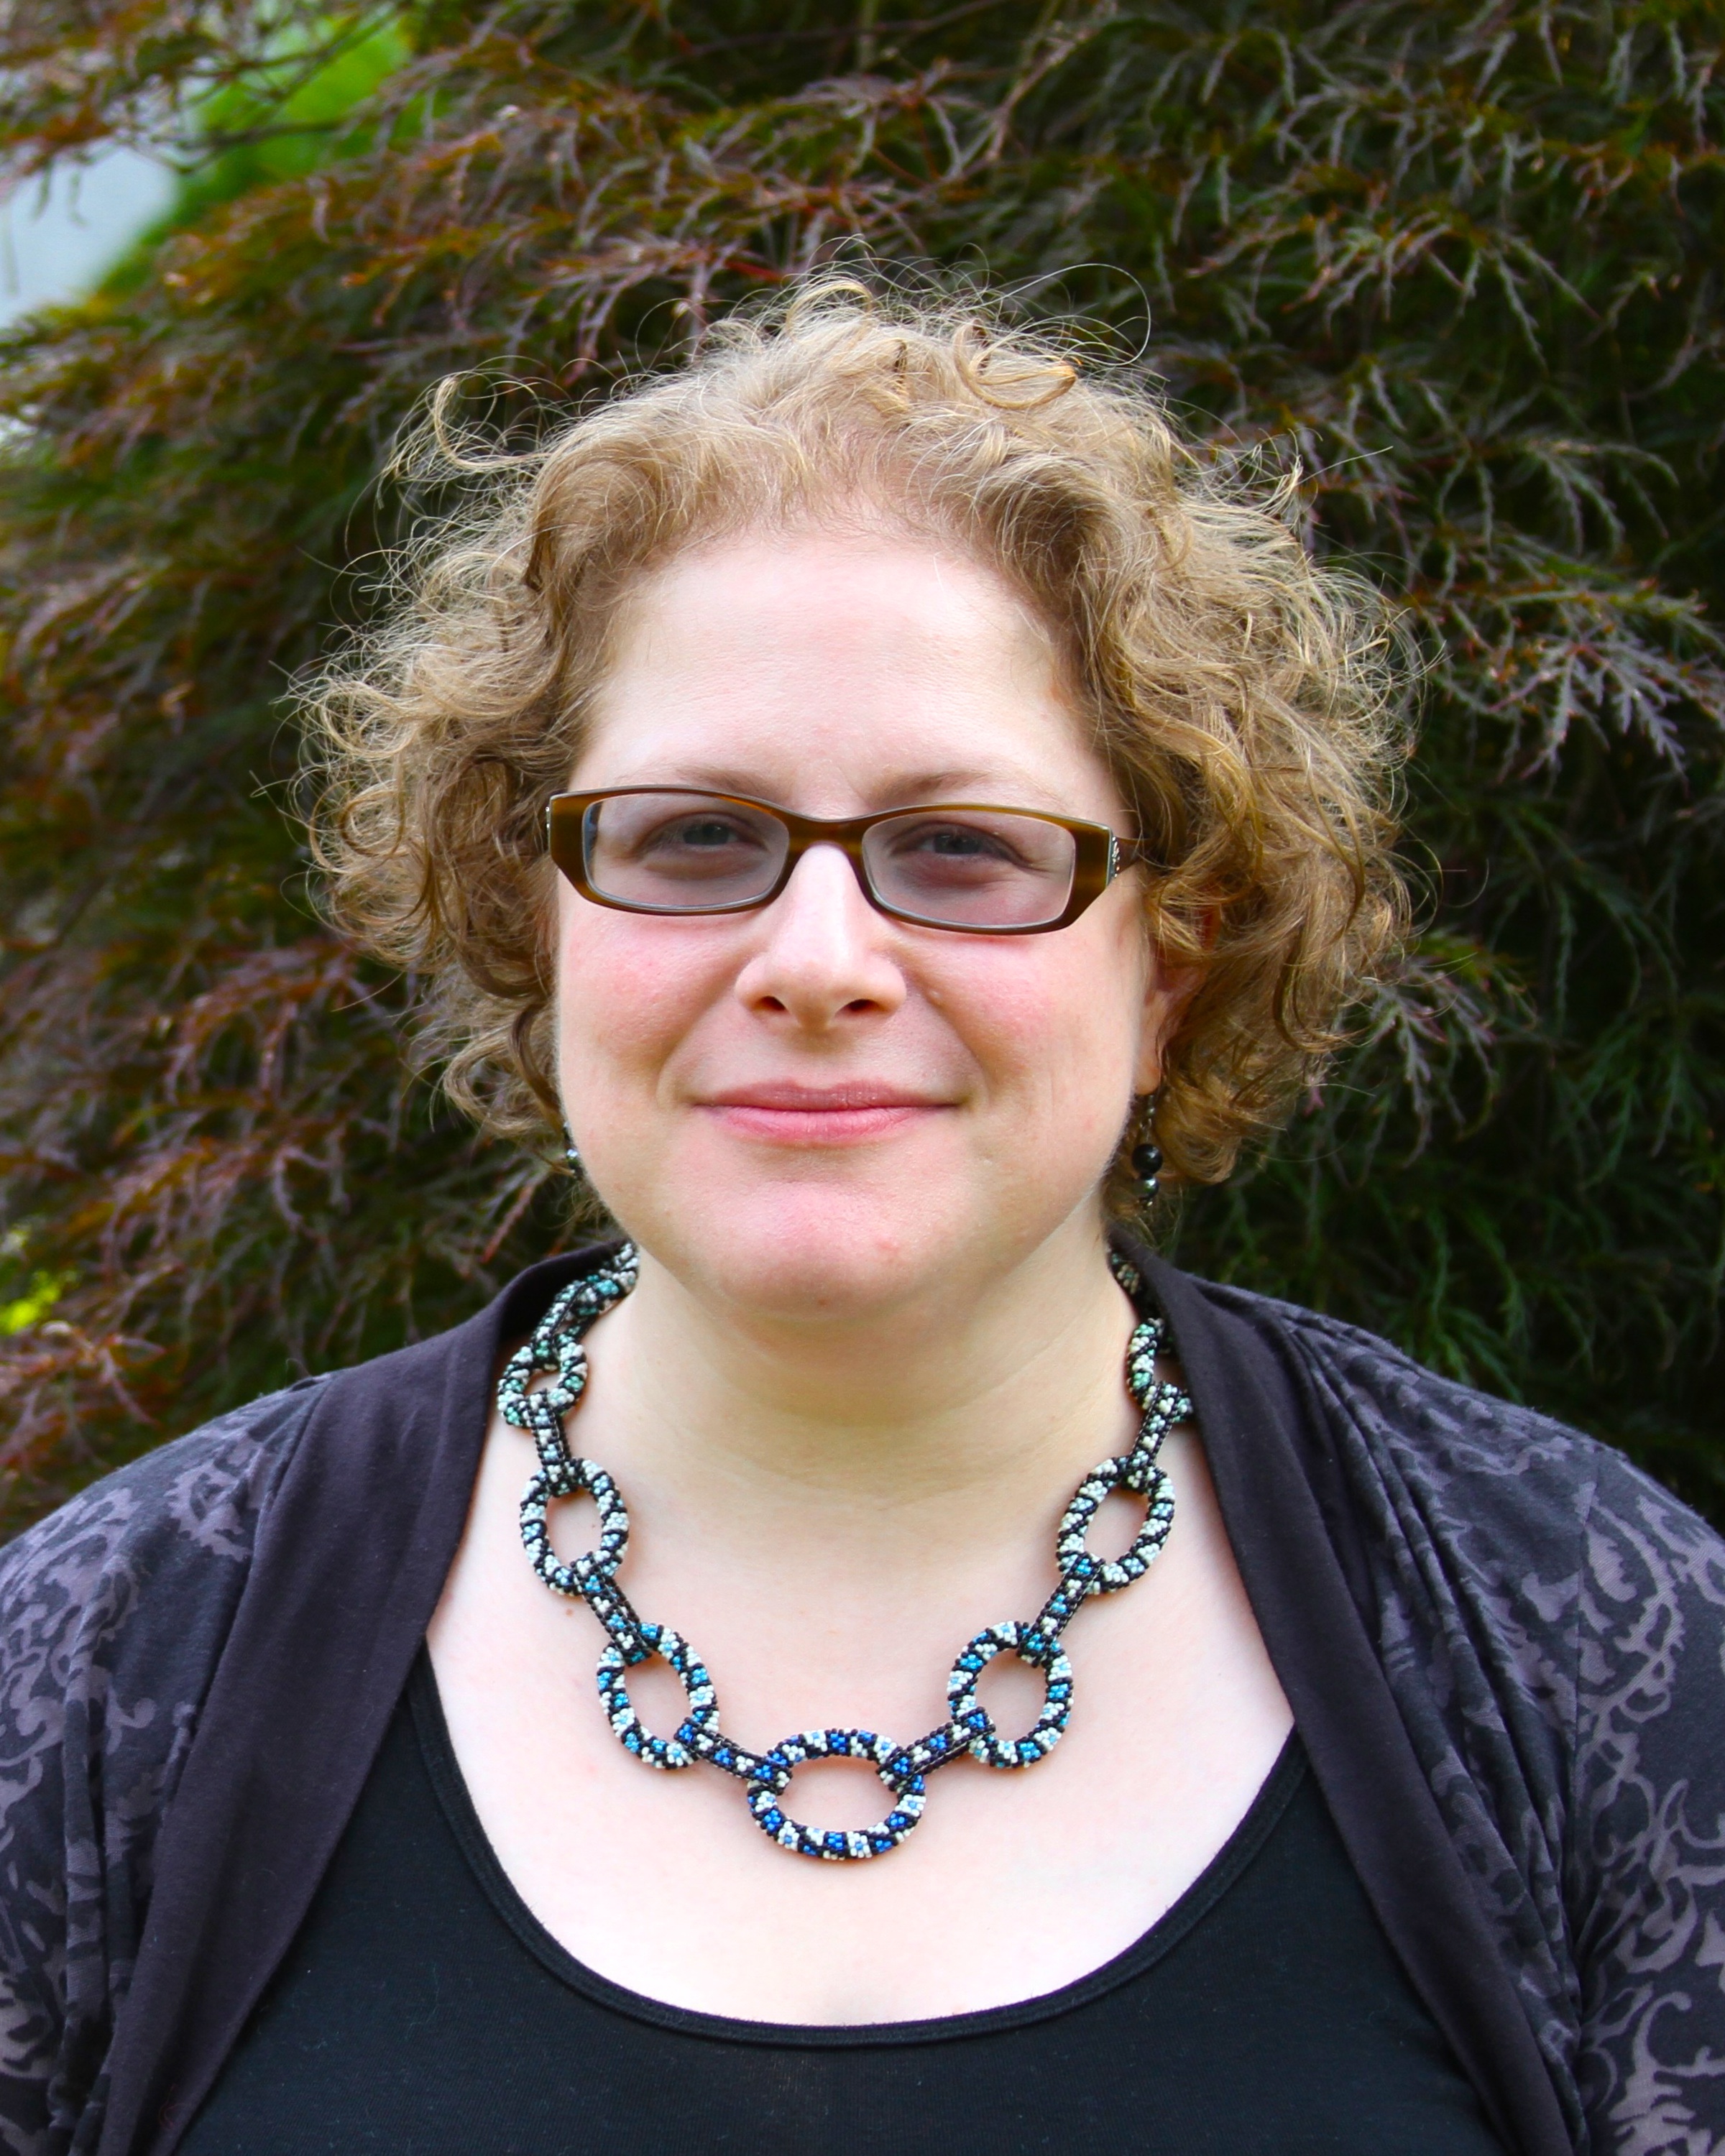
(572, 1158)
(1146, 1154)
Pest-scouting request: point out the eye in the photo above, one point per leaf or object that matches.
(957, 842)
(952, 845)
(704, 832)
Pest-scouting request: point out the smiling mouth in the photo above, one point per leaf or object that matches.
(812, 1115)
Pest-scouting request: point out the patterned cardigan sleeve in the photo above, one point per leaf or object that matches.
(113, 1614)
(1552, 1625)
(1647, 1843)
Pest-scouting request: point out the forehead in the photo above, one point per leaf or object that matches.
(838, 672)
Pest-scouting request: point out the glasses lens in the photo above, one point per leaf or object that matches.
(684, 853)
(973, 868)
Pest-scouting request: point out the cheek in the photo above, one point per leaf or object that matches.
(628, 994)
(1054, 1021)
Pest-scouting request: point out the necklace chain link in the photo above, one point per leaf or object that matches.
(541, 1385)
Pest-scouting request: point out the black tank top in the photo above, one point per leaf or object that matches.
(425, 2011)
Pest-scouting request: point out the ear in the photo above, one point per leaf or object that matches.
(1168, 991)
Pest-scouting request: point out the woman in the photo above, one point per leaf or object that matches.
(878, 800)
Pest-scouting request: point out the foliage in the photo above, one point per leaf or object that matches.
(1462, 261)
(303, 104)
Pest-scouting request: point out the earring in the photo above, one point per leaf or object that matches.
(1146, 1154)
(572, 1158)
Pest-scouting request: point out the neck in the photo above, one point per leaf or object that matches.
(852, 1438)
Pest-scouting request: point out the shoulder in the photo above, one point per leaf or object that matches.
(196, 1499)
(1570, 1566)
(1555, 1524)
(1499, 1459)
(132, 1574)
(187, 1515)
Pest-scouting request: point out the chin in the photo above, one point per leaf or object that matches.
(820, 1251)
(804, 1252)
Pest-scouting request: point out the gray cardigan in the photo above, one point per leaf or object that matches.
(1504, 1646)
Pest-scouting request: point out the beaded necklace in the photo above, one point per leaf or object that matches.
(555, 1352)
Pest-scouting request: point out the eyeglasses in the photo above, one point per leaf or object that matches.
(982, 871)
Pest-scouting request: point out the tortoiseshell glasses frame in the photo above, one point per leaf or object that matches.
(1096, 856)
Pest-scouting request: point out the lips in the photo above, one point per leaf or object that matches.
(791, 1114)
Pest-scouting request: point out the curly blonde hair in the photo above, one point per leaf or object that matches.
(1247, 700)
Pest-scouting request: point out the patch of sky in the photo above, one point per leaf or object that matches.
(59, 235)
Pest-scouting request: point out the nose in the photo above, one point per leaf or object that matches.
(823, 952)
